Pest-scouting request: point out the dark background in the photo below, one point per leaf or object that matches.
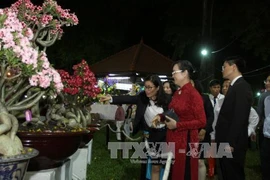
(172, 27)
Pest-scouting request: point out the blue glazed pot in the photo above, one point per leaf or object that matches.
(14, 167)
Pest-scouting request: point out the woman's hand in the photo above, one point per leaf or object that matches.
(156, 121)
(202, 134)
(170, 123)
(104, 98)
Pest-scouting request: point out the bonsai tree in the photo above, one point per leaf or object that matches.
(24, 68)
(46, 21)
(80, 90)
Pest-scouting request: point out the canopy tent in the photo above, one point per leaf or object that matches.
(137, 60)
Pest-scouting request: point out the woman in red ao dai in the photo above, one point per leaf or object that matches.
(188, 105)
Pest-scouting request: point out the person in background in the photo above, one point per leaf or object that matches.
(214, 88)
(204, 133)
(119, 118)
(169, 87)
(128, 122)
(150, 102)
(215, 97)
(264, 129)
(187, 103)
(232, 123)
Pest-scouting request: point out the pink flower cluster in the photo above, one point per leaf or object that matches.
(49, 15)
(17, 49)
(81, 83)
(46, 76)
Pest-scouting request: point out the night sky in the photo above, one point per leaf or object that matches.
(172, 27)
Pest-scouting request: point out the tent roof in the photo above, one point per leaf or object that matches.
(138, 58)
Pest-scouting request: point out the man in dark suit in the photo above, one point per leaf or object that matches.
(232, 123)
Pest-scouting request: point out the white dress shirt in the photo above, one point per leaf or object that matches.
(219, 96)
(151, 111)
(253, 121)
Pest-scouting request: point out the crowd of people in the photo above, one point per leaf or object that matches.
(224, 117)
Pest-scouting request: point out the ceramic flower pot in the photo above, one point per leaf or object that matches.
(87, 137)
(54, 148)
(14, 167)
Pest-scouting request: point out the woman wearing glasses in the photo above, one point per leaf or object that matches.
(188, 105)
(152, 101)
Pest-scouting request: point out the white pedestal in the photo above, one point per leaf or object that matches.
(79, 164)
(63, 172)
(89, 153)
(48, 174)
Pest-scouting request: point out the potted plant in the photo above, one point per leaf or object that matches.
(80, 91)
(26, 31)
(22, 67)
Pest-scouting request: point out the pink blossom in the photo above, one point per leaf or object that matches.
(15, 37)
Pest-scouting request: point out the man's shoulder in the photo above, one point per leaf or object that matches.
(205, 96)
(265, 94)
(209, 95)
(242, 81)
(242, 85)
(221, 96)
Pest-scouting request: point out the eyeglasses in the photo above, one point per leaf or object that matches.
(266, 81)
(148, 87)
(177, 71)
(223, 68)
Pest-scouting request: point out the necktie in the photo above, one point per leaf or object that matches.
(215, 101)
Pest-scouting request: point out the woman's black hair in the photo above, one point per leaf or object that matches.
(186, 65)
(198, 86)
(172, 86)
(161, 96)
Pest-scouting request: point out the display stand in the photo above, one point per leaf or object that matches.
(48, 174)
(63, 172)
(89, 153)
(79, 163)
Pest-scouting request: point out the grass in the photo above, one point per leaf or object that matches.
(253, 167)
(105, 168)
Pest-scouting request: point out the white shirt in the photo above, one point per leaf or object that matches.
(219, 96)
(253, 121)
(151, 111)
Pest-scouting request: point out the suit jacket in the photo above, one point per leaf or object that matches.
(232, 123)
(209, 112)
(141, 101)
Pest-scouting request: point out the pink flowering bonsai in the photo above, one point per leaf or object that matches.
(24, 68)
